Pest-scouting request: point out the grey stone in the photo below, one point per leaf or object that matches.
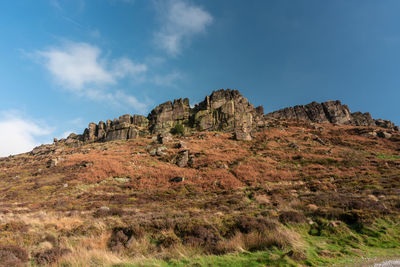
(182, 158)
(177, 179)
(383, 134)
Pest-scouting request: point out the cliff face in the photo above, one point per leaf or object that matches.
(329, 112)
(223, 110)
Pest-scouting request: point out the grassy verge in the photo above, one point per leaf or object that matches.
(338, 245)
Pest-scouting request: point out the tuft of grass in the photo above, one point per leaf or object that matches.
(389, 157)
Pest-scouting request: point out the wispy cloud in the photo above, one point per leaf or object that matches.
(180, 21)
(80, 68)
(168, 79)
(118, 98)
(78, 65)
(19, 134)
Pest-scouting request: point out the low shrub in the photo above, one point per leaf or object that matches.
(108, 212)
(50, 256)
(122, 236)
(178, 129)
(198, 235)
(168, 239)
(246, 224)
(11, 255)
(292, 217)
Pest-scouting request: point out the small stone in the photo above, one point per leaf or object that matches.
(319, 140)
(373, 198)
(65, 185)
(164, 138)
(181, 144)
(177, 179)
(312, 207)
(183, 158)
(52, 163)
(153, 152)
(160, 151)
(294, 146)
(383, 134)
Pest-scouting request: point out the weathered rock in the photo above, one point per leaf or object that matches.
(101, 130)
(164, 138)
(165, 116)
(223, 110)
(140, 121)
(42, 150)
(177, 179)
(126, 127)
(384, 124)
(242, 134)
(181, 144)
(182, 158)
(383, 134)
(336, 112)
(362, 119)
(117, 134)
(52, 163)
(328, 112)
(160, 151)
(125, 119)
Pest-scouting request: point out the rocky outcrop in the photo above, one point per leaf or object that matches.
(167, 115)
(223, 110)
(126, 127)
(329, 112)
(362, 119)
(229, 111)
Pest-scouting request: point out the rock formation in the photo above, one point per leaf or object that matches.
(329, 112)
(224, 110)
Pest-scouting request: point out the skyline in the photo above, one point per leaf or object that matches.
(65, 64)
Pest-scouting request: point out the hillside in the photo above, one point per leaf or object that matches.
(221, 183)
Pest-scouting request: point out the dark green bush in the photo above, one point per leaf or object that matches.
(178, 129)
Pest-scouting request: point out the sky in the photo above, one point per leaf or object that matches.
(66, 63)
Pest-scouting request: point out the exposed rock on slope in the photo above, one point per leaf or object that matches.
(224, 110)
(330, 111)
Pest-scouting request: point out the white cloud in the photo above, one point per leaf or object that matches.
(118, 98)
(80, 68)
(168, 79)
(19, 134)
(76, 66)
(125, 67)
(180, 21)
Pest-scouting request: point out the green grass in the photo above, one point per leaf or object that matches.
(389, 157)
(342, 245)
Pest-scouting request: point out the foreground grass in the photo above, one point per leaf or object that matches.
(341, 245)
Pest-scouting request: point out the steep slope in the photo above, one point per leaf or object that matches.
(308, 185)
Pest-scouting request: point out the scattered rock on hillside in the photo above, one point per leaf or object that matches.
(181, 144)
(384, 134)
(177, 179)
(164, 138)
(182, 158)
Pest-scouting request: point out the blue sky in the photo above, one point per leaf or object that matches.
(67, 63)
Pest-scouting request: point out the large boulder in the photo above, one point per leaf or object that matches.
(165, 116)
(362, 119)
(229, 111)
(336, 112)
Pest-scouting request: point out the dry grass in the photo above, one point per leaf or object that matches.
(231, 200)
